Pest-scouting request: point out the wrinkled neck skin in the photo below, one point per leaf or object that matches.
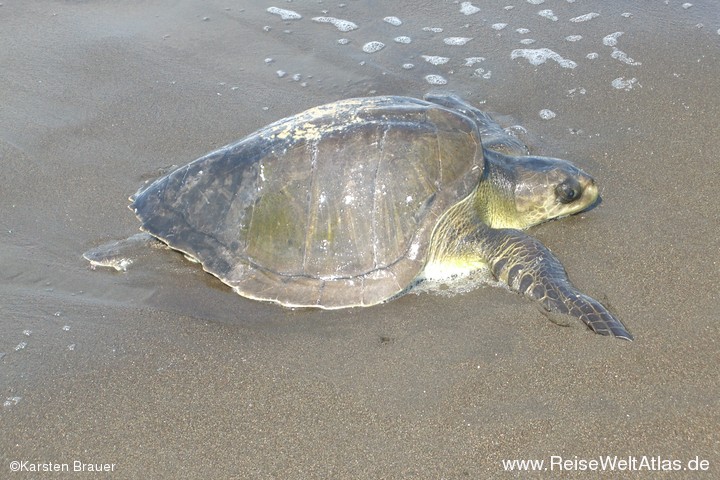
(495, 194)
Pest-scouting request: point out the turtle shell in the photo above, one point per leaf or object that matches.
(333, 207)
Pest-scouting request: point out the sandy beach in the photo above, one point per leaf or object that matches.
(163, 372)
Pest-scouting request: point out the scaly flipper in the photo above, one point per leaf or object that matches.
(529, 268)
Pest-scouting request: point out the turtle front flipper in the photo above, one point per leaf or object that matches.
(529, 268)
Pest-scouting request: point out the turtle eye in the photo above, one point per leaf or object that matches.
(568, 191)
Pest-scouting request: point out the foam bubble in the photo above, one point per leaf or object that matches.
(522, 31)
(432, 29)
(281, 73)
(11, 401)
(626, 14)
(541, 55)
(435, 60)
(527, 41)
(498, 26)
(622, 84)
(456, 40)
(435, 80)
(470, 61)
(372, 47)
(536, 2)
(573, 38)
(343, 41)
(402, 39)
(284, 14)
(546, 114)
(468, 8)
(592, 56)
(622, 56)
(585, 18)
(687, 5)
(611, 40)
(448, 281)
(548, 14)
(342, 25)
(393, 21)
(408, 66)
(480, 72)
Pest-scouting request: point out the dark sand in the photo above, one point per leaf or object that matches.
(166, 373)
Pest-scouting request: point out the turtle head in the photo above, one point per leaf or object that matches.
(538, 189)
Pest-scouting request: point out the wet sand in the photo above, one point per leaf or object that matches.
(165, 373)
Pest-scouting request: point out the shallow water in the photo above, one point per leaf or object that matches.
(162, 369)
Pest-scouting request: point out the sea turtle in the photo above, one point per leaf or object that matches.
(352, 203)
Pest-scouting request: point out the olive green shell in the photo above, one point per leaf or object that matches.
(333, 207)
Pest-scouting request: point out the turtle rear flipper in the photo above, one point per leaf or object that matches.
(529, 268)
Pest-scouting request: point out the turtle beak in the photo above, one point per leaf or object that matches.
(590, 193)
